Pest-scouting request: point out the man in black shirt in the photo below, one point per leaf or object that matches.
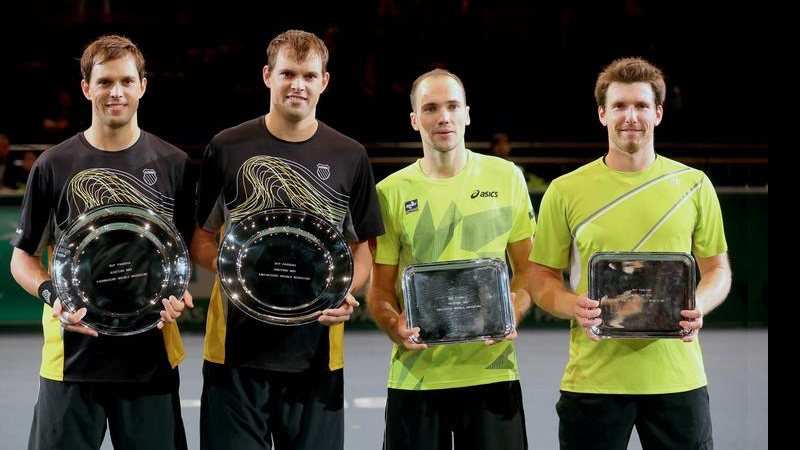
(266, 383)
(90, 382)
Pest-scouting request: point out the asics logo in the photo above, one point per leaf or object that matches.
(479, 193)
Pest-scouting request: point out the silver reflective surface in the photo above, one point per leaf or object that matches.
(641, 294)
(119, 261)
(458, 301)
(284, 266)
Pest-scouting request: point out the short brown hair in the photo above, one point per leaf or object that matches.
(434, 73)
(301, 43)
(108, 48)
(630, 70)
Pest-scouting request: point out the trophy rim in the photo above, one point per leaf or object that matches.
(500, 272)
(686, 302)
(295, 222)
(66, 264)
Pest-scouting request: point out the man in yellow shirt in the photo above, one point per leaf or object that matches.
(452, 204)
(631, 199)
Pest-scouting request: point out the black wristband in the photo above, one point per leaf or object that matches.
(46, 292)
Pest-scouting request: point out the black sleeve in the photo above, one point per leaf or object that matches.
(209, 188)
(185, 194)
(33, 231)
(364, 207)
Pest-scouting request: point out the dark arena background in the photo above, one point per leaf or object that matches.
(529, 70)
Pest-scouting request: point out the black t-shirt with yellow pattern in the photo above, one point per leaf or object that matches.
(246, 170)
(72, 178)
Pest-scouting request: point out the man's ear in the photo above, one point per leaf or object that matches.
(85, 89)
(144, 87)
(659, 114)
(414, 123)
(325, 79)
(601, 114)
(265, 76)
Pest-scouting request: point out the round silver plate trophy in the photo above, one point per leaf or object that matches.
(285, 266)
(118, 262)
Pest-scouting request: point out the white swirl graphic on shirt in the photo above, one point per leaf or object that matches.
(270, 182)
(103, 186)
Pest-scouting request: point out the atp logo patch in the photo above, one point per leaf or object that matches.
(411, 206)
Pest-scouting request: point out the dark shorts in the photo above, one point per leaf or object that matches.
(75, 416)
(247, 409)
(488, 416)
(663, 421)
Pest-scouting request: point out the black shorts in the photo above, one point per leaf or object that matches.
(663, 421)
(248, 409)
(75, 415)
(483, 417)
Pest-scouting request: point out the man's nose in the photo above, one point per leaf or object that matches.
(298, 84)
(630, 114)
(116, 90)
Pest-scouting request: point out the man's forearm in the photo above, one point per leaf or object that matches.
(204, 249)
(550, 294)
(362, 264)
(522, 297)
(384, 315)
(715, 282)
(522, 268)
(381, 298)
(382, 307)
(28, 272)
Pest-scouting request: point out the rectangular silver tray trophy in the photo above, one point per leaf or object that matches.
(641, 294)
(458, 301)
